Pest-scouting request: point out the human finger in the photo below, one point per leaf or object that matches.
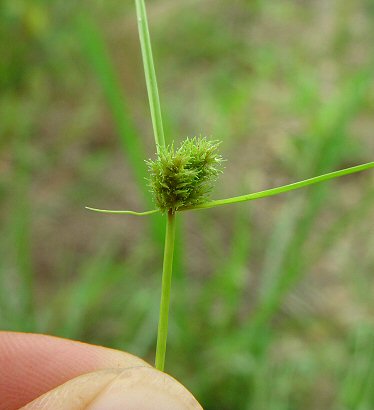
(32, 364)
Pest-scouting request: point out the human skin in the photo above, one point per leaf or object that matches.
(45, 372)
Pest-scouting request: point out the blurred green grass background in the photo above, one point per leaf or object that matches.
(272, 301)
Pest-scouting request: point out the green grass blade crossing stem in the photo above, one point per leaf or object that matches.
(256, 195)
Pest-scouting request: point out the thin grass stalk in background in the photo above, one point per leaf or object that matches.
(97, 53)
(22, 237)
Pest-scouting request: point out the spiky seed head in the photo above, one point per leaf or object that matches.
(185, 176)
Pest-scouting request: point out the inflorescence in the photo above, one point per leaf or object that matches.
(185, 176)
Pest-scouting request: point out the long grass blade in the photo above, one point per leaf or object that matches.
(282, 189)
(150, 74)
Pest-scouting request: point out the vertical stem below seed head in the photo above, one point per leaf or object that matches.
(165, 293)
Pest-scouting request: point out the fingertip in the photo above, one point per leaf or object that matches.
(144, 388)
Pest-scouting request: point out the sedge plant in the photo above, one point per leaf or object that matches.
(181, 179)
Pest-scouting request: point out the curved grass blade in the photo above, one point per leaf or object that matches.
(281, 189)
(109, 211)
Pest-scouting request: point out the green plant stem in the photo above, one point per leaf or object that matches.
(155, 107)
(150, 74)
(165, 294)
